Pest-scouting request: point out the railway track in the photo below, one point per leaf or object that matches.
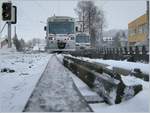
(105, 82)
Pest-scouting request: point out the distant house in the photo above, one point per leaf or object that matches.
(112, 38)
(107, 39)
(123, 42)
(122, 35)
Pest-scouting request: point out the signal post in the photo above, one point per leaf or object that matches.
(9, 35)
(9, 14)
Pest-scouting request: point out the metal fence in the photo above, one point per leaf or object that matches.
(130, 53)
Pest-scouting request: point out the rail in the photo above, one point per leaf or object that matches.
(132, 53)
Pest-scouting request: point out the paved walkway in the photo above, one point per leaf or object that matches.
(55, 92)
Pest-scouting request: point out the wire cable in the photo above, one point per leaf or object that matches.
(3, 27)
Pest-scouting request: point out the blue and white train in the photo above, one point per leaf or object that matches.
(82, 41)
(60, 34)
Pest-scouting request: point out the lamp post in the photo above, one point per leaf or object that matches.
(147, 3)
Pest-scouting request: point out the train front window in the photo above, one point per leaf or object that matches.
(61, 27)
(82, 39)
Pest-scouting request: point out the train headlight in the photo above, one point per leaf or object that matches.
(68, 38)
(51, 38)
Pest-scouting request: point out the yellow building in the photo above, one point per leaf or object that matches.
(138, 30)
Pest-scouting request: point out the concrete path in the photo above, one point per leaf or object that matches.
(55, 92)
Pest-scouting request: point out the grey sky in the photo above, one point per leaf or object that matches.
(30, 13)
(119, 13)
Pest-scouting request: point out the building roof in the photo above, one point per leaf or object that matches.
(138, 21)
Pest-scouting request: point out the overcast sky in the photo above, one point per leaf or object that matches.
(117, 13)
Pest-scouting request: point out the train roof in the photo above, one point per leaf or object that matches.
(60, 17)
(82, 33)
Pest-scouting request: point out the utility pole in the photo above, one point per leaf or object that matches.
(15, 30)
(6, 16)
(9, 35)
(83, 22)
(9, 14)
(0, 18)
(0, 28)
(15, 34)
(147, 13)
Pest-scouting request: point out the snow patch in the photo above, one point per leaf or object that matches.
(17, 87)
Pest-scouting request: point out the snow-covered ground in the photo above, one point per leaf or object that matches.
(139, 103)
(124, 64)
(16, 88)
(89, 95)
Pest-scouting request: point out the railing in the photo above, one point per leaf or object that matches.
(130, 53)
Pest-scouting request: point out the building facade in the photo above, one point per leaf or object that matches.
(107, 41)
(138, 31)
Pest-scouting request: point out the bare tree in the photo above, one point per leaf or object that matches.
(117, 40)
(92, 18)
(29, 44)
(17, 43)
(23, 44)
(34, 41)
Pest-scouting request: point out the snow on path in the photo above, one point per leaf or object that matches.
(15, 88)
(126, 65)
(55, 91)
(139, 103)
(122, 64)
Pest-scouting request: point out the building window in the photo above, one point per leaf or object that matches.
(132, 32)
(145, 28)
(142, 28)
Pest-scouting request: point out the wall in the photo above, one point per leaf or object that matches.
(135, 35)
